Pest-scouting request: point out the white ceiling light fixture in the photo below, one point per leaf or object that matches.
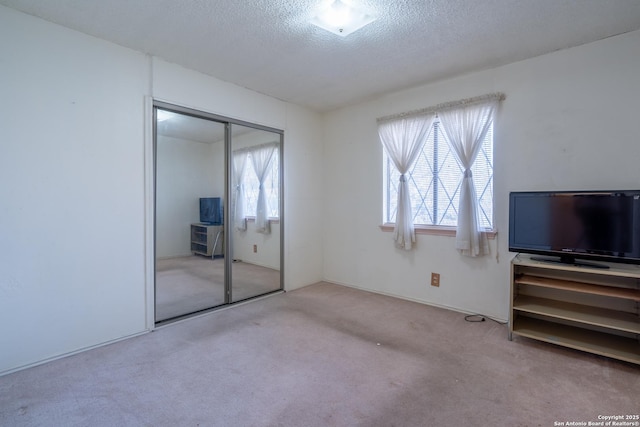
(342, 18)
(163, 115)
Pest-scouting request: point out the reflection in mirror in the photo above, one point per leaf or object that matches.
(190, 189)
(255, 212)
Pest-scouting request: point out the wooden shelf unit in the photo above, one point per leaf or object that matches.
(585, 308)
(207, 240)
(568, 285)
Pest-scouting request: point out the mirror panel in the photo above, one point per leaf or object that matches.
(190, 188)
(255, 212)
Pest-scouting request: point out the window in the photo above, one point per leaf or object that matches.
(434, 183)
(271, 186)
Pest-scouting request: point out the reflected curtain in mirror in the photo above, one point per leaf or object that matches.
(261, 156)
(239, 166)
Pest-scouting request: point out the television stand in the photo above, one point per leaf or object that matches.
(570, 261)
(207, 240)
(593, 310)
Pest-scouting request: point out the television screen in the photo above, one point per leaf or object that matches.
(603, 225)
(211, 210)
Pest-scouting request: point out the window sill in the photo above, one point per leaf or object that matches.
(437, 230)
(273, 220)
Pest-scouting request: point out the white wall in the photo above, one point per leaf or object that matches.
(569, 122)
(268, 247)
(186, 171)
(71, 185)
(73, 161)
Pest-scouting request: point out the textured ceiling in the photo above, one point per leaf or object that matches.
(269, 45)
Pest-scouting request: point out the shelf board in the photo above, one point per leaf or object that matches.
(596, 316)
(615, 269)
(609, 291)
(614, 346)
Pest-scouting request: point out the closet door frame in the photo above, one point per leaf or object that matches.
(228, 242)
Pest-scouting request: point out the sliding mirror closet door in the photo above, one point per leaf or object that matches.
(190, 188)
(255, 223)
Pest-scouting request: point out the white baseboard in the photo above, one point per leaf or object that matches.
(71, 353)
(418, 300)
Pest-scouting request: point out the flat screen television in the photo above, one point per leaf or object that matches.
(211, 210)
(571, 226)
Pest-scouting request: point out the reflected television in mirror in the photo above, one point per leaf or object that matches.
(211, 210)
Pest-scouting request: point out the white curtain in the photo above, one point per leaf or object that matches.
(261, 157)
(403, 139)
(239, 164)
(465, 129)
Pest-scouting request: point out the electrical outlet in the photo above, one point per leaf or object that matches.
(255, 249)
(435, 279)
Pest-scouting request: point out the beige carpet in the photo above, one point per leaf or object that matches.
(189, 284)
(323, 355)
